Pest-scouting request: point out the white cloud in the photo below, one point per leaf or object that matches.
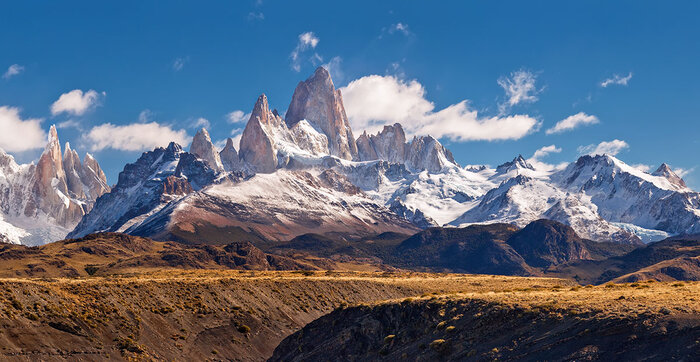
(12, 71)
(306, 42)
(611, 148)
(256, 15)
(76, 102)
(145, 115)
(536, 159)
(682, 172)
(237, 116)
(616, 80)
(544, 151)
(374, 101)
(642, 167)
(333, 67)
(399, 28)
(519, 87)
(71, 123)
(134, 137)
(201, 123)
(573, 121)
(179, 63)
(19, 134)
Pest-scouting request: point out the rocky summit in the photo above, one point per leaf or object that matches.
(382, 182)
(44, 201)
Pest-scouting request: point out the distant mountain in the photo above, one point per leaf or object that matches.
(306, 173)
(477, 249)
(169, 194)
(44, 201)
(114, 253)
(674, 258)
(500, 249)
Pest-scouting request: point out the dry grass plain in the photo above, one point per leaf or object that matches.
(654, 321)
(201, 314)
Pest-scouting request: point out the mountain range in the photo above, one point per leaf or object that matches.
(307, 173)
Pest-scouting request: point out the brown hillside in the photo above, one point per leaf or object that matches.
(196, 315)
(649, 321)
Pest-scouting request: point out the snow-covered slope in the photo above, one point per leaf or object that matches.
(276, 206)
(625, 194)
(312, 176)
(522, 199)
(41, 202)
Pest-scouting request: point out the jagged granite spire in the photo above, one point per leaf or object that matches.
(229, 156)
(60, 185)
(73, 168)
(203, 148)
(257, 148)
(317, 101)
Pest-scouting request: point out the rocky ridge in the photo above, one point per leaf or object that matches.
(47, 200)
(419, 181)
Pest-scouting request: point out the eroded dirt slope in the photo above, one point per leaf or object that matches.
(638, 321)
(196, 315)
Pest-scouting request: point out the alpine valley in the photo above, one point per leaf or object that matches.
(308, 173)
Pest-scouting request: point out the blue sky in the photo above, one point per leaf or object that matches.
(157, 67)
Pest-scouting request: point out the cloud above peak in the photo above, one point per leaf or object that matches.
(544, 151)
(237, 116)
(76, 102)
(306, 41)
(134, 137)
(519, 87)
(374, 101)
(616, 79)
(573, 121)
(19, 134)
(609, 147)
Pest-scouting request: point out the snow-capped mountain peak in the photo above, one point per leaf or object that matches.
(43, 201)
(601, 197)
(665, 171)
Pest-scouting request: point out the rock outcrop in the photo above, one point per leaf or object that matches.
(203, 148)
(43, 201)
(388, 145)
(518, 163)
(257, 147)
(229, 156)
(365, 149)
(317, 101)
(426, 153)
(665, 171)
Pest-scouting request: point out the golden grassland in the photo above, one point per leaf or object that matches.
(199, 314)
(611, 299)
(230, 314)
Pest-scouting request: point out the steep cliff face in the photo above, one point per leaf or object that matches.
(43, 201)
(317, 101)
(203, 148)
(257, 143)
(268, 144)
(144, 187)
(229, 156)
(427, 153)
(424, 153)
